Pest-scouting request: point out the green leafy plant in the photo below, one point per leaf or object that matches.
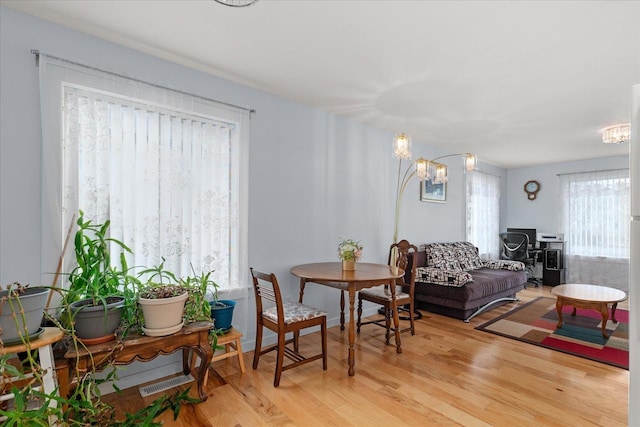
(197, 307)
(158, 283)
(94, 277)
(83, 407)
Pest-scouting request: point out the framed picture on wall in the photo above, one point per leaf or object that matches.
(430, 192)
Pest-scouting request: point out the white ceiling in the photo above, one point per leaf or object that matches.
(517, 82)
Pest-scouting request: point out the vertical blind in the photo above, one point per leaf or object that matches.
(160, 176)
(596, 213)
(483, 213)
(168, 169)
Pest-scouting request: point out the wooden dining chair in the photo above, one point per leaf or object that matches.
(284, 318)
(405, 287)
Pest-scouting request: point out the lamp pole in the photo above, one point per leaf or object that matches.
(401, 186)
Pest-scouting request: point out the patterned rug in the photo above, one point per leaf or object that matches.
(535, 323)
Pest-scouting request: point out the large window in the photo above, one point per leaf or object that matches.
(164, 167)
(483, 213)
(596, 213)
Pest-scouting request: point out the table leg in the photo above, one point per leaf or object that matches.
(342, 310)
(185, 361)
(559, 303)
(604, 310)
(205, 353)
(352, 332)
(613, 312)
(396, 317)
(296, 334)
(303, 282)
(45, 355)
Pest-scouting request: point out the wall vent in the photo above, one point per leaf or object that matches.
(165, 385)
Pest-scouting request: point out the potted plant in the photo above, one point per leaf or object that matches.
(21, 310)
(95, 296)
(349, 251)
(221, 311)
(161, 300)
(198, 308)
(164, 297)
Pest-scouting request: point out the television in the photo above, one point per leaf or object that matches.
(531, 232)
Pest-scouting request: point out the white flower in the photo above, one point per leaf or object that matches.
(349, 250)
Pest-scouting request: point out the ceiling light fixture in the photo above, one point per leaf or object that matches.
(616, 134)
(236, 3)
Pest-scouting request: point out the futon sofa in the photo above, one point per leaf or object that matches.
(452, 279)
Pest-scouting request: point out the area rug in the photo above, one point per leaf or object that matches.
(535, 323)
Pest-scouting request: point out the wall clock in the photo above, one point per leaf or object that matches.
(532, 188)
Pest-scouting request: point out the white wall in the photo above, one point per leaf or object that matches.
(543, 212)
(314, 176)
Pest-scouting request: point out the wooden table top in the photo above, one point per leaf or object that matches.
(49, 336)
(590, 293)
(332, 271)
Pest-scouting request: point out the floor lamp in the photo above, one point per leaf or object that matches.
(424, 170)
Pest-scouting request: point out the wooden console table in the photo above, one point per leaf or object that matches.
(143, 348)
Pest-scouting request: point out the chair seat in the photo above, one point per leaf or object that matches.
(382, 292)
(294, 312)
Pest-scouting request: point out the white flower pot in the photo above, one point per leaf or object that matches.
(163, 316)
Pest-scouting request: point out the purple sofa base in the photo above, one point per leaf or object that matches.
(488, 289)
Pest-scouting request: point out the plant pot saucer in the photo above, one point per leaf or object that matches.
(97, 340)
(161, 332)
(18, 340)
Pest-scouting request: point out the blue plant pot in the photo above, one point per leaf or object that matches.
(222, 314)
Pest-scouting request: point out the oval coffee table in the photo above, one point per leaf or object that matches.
(588, 296)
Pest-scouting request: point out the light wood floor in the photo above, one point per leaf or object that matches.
(448, 374)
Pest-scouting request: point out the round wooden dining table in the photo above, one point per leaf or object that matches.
(366, 275)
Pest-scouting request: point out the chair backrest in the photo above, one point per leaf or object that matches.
(515, 246)
(406, 260)
(267, 292)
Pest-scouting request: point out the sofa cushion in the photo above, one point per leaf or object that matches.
(443, 277)
(456, 256)
(502, 264)
(442, 255)
(467, 256)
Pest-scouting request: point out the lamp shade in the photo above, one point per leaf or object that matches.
(470, 162)
(422, 171)
(441, 174)
(402, 147)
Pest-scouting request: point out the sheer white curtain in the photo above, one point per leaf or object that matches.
(483, 213)
(595, 212)
(167, 169)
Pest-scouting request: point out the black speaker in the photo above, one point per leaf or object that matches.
(553, 259)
